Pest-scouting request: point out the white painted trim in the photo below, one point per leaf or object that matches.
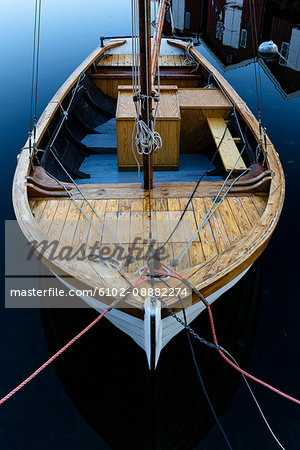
(165, 329)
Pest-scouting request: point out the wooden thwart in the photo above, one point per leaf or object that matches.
(227, 149)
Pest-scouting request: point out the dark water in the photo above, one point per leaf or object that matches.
(42, 416)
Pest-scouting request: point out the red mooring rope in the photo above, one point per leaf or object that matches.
(50, 360)
(252, 377)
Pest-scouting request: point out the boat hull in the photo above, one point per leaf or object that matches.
(152, 341)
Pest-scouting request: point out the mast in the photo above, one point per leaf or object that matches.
(148, 66)
(145, 73)
(157, 37)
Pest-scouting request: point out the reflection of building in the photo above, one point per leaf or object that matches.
(187, 15)
(229, 30)
(226, 30)
(285, 73)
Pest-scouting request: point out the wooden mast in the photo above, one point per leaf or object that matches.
(145, 71)
(148, 66)
(157, 37)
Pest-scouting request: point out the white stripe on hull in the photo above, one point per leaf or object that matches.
(165, 329)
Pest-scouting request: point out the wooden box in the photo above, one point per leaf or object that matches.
(167, 125)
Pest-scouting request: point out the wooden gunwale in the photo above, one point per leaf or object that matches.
(24, 216)
(212, 274)
(235, 259)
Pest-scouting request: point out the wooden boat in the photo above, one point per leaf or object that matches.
(77, 186)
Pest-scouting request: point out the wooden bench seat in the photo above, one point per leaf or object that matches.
(228, 150)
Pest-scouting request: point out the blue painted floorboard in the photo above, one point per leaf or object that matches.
(104, 169)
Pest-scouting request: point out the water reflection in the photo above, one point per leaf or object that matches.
(230, 29)
(107, 377)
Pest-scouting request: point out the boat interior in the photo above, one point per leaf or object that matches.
(93, 144)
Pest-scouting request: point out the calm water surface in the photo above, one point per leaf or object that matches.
(42, 416)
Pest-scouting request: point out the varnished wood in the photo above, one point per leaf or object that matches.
(228, 151)
(243, 221)
(157, 37)
(167, 125)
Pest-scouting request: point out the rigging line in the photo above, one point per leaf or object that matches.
(188, 284)
(221, 429)
(33, 66)
(148, 113)
(257, 73)
(222, 351)
(211, 211)
(37, 66)
(83, 195)
(195, 189)
(257, 404)
(66, 346)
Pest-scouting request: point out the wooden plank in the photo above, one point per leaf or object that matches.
(70, 225)
(233, 231)
(48, 215)
(208, 242)
(202, 98)
(82, 232)
(217, 226)
(250, 210)
(58, 221)
(95, 232)
(239, 215)
(174, 204)
(38, 208)
(227, 149)
(260, 202)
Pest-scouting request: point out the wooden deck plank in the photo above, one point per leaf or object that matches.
(250, 210)
(48, 215)
(217, 226)
(239, 215)
(174, 204)
(260, 202)
(206, 235)
(82, 232)
(233, 231)
(184, 202)
(59, 218)
(70, 225)
(227, 148)
(94, 237)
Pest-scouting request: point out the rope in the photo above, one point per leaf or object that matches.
(35, 76)
(220, 349)
(72, 341)
(146, 140)
(199, 373)
(50, 360)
